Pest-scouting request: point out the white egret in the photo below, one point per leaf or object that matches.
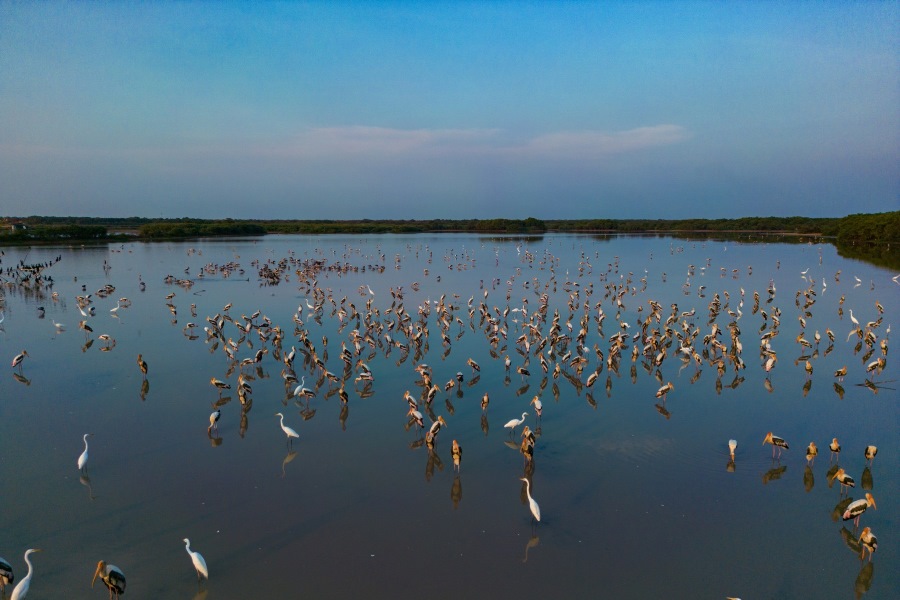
(513, 423)
(532, 504)
(290, 433)
(21, 588)
(111, 576)
(82, 460)
(197, 559)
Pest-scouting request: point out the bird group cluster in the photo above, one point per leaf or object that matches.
(568, 343)
(847, 508)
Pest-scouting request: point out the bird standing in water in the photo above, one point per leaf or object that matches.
(776, 442)
(111, 576)
(22, 587)
(456, 454)
(197, 559)
(532, 504)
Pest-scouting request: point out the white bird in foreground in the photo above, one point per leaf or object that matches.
(82, 460)
(513, 423)
(22, 587)
(532, 504)
(290, 433)
(197, 559)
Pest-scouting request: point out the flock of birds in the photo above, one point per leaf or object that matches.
(556, 338)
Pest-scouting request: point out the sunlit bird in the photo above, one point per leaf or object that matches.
(142, 365)
(845, 480)
(811, 452)
(214, 420)
(456, 454)
(835, 448)
(776, 442)
(221, 385)
(21, 588)
(513, 423)
(197, 559)
(538, 406)
(664, 390)
(290, 433)
(111, 576)
(841, 373)
(869, 542)
(18, 358)
(732, 444)
(532, 503)
(82, 460)
(870, 453)
(855, 509)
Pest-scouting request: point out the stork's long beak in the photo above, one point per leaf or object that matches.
(96, 574)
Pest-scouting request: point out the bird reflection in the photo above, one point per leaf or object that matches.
(864, 580)
(342, 416)
(773, 474)
(434, 461)
(808, 480)
(215, 440)
(661, 409)
(21, 378)
(145, 389)
(86, 482)
(532, 543)
(456, 492)
(865, 480)
(831, 473)
(851, 541)
(839, 508)
(484, 424)
(839, 390)
(291, 455)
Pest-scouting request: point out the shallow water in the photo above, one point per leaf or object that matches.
(637, 496)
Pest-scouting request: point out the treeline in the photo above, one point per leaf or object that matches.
(190, 229)
(805, 225)
(877, 227)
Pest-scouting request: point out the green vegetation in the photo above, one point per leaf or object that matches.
(871, 237)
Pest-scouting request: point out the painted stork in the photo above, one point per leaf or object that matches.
(776, 442)
(111, 576)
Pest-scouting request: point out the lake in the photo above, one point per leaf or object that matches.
(638, 495)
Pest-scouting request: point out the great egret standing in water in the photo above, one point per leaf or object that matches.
(82, 460)
(21, 588)
(290, 433)
(513, 423)
(197, 559)
(535, 509)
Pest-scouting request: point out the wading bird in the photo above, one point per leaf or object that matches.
(21, 588)
(835, 448)
(538, 406)
(869, 542)
(664, 390)
(811, 452)
(732, 444)
(197, 559)
(214, 420)
(111, 576)
(513, 423)
(856, 509)
(142, 365)
(6, 574)
(532, 504)
(456, 454)
(290, 433)
(18, 358)
(870, 453)
(776, 442)
(82, 460)
(221, 385)
(845, 480)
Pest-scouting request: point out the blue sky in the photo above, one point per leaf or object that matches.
(449, 109)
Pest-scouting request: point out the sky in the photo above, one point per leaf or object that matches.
(449, 110)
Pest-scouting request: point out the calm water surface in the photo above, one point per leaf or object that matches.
(638, 496)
